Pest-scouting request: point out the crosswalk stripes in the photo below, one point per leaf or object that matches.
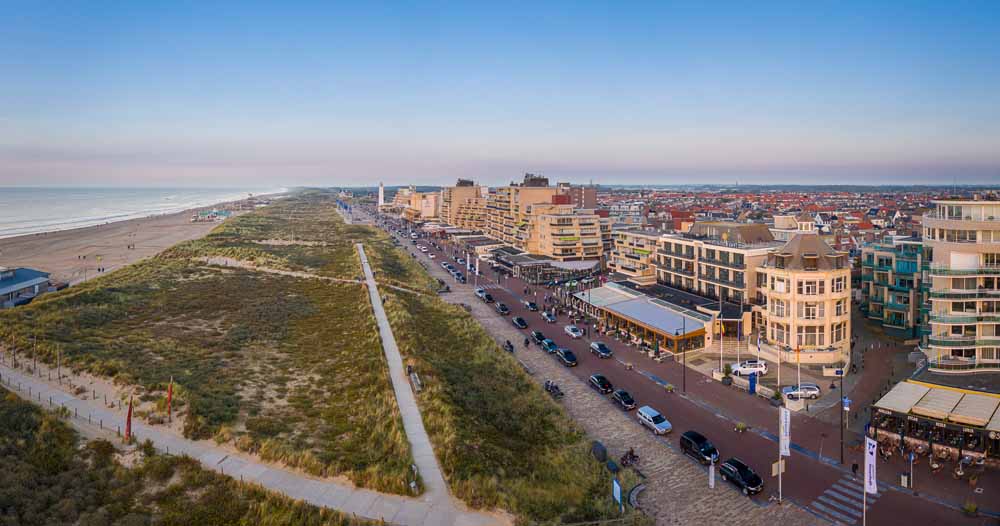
(843, 502)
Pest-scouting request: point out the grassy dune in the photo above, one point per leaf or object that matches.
(501, 441)
(289, 368)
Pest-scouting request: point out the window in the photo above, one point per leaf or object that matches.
(779, 333)
(840, 308)
(991, 260)
(988, 353)
(811, 310)
(778, 307)
(779, 285)
(810, 336)
(839, 332)
(838, 284)
(810, 288)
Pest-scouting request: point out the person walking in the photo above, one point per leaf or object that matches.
(854, 470)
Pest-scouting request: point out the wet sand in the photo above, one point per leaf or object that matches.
(61, 254)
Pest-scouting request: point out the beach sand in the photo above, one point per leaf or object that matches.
(59, 253)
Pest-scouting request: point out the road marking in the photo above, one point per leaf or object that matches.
(842, 500)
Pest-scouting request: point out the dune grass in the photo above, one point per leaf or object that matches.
(289, 368)
(48, 478)
(501, 441)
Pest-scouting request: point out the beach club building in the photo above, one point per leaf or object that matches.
(18, 286)
(650, 323)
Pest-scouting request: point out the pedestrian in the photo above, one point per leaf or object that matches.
(854, 470)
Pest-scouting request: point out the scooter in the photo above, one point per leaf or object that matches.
(553, 389)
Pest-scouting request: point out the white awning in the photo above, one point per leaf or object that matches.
(902, 397)
(938, 403)
(974, 410)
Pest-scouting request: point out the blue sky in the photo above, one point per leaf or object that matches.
(338, 93)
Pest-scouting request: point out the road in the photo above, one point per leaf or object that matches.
(815, 482)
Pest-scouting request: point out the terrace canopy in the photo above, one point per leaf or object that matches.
(937, 403)
(974, 410)
(902, 398)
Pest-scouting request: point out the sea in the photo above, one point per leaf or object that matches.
(31, 210)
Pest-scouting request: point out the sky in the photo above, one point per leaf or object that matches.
(352, 93)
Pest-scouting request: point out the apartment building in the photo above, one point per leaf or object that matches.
(580, 196)
(715, 258)
(562, 232)
(453, 197)
(471, 214)
(962, 238)
(806, 286)
(633, 254)
(422, 206)
(506, 208)
(891, 274)
(788, 226)
(629, 212)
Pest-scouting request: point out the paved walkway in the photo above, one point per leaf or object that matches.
(435, 488)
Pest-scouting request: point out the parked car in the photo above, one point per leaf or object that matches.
(548, 317)
(623, 399)
(745, 479)
(502, 309)
(600, 349)
(803, 390)
(749, 367)
(573, 331)
(431, 255)
(488, 298)
(566, 356)
(532, 306)
(599, 382)
(460, 261)
(480, 292)
(445, 265)
(695, 445)
(652, 419)
(519, 322)
(538, 337)
(549, 345)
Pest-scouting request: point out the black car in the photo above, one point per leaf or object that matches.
(599, 382)
(623, 399)
(532, 306)
(549, 346)
(487, 298)
(502, 309)
(566, 356)
(601, 350)
(695, 445)
(538, 337)
(519, 322)
(740, 474)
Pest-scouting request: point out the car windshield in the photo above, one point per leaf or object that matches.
(625, 397)
(707, 447)
(569, 355)
(602, 347)
(746, 473)
(658, 419)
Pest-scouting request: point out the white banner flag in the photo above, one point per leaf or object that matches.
(711, 475)
(785, 431)
(871, 483)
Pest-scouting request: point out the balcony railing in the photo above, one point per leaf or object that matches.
(719, 262)
(982, 270)
(676, 254)
(897, 306)
(720, 281)
(962, 294)
(963, 341)
(966, 318)
(680, 270)
(974, 217)
(962, 364)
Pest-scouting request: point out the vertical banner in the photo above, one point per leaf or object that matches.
(871, 483)
(616, 492)
(711, 475)
(785, 431)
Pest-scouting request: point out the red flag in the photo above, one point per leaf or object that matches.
(170, 397)
(128, 421)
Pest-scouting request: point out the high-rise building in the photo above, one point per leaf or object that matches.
(580, 196)
(962, 238)
(562, 232)
(507, 206)
(381, 194)
(454, 197)
(633, 255)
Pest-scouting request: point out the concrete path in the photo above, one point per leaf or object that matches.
(435, 488)
(91, 415)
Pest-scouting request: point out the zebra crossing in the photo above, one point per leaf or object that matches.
(842, 502)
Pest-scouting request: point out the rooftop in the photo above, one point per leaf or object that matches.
(21, 278)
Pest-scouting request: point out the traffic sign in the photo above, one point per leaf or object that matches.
(847, 404)
(774, 468)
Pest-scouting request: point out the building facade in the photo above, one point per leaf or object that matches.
(633, 254)
(715, 259)
(453, 197)
(506, 208)
(471, 214)
(20, 285)
(962, 239)
(891, 274)
(807, 311)
(562, 232)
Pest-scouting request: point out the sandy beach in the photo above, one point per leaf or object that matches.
(61, 253)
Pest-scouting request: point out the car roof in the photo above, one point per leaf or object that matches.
(598, 376)
(695, 436)
(737, 463)
(646, 410)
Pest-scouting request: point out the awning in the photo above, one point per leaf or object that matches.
(994, 424)
(902, 397)
(656, 317)
(938, 403)
(606, 295)
(974, 410)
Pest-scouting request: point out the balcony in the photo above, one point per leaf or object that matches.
(904, 307)
(965, 318)
(867, 277)
(726, 282)
(721, 263)
(679, 270)
(955, 364)
(982, 270)
(963, 341)
(965, 294)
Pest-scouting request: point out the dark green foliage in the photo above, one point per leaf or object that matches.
(47, 480)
